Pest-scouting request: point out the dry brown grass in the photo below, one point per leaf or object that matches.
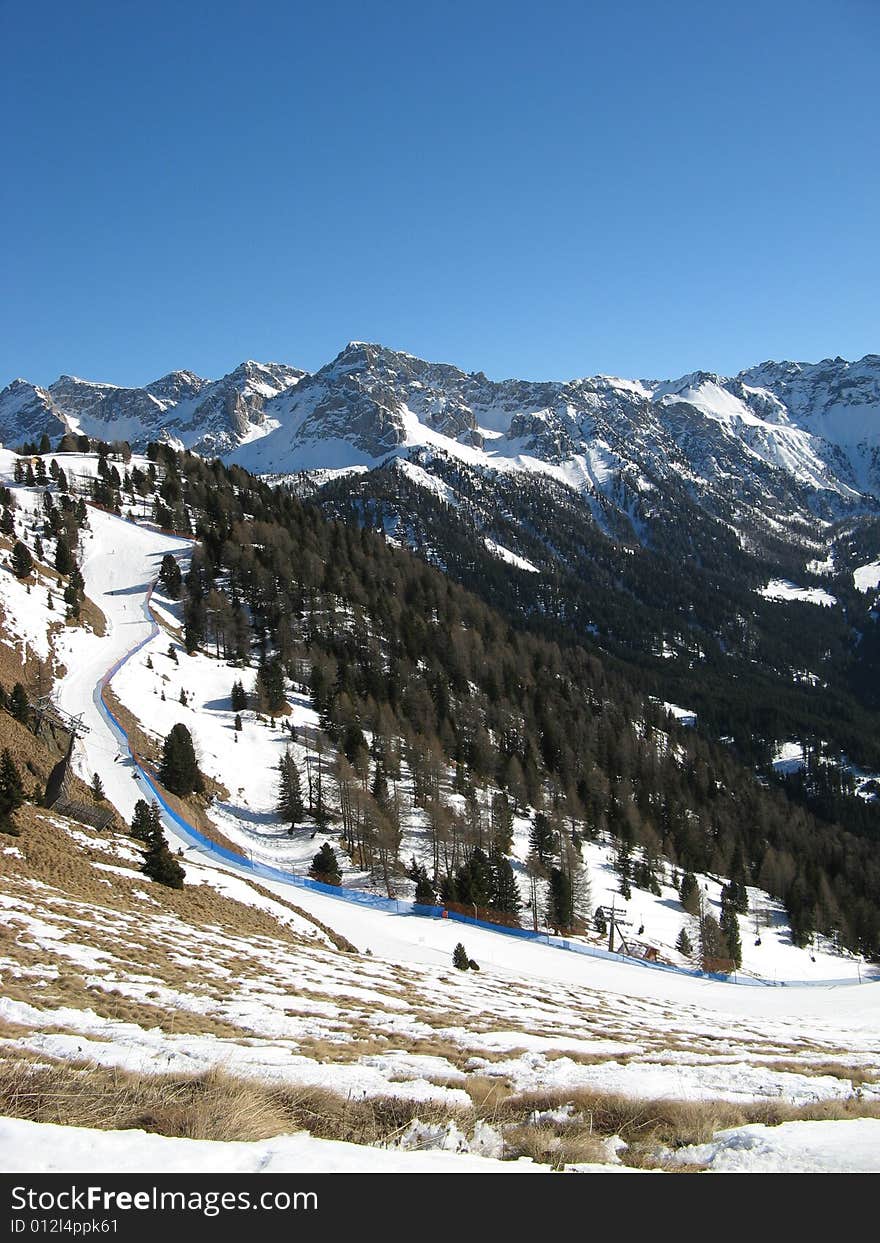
(209, 1106)
(488, 1095)
(217, 1106)
(548, 1145)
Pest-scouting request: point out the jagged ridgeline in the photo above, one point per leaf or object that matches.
(387, 644)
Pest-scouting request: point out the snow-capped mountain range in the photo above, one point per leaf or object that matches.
(780, 440)
(210, 416)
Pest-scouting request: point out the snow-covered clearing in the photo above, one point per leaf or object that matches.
(511, 558)
(867, 577)
(783, 590)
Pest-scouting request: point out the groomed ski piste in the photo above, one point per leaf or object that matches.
(130, 626)
(120, 564)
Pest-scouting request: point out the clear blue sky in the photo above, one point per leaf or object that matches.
(540, 190)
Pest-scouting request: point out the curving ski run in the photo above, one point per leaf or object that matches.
(120, 566)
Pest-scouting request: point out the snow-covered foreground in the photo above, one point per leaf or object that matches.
(848, 1147)
(31, 1148)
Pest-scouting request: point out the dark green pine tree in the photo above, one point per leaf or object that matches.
(270, 685)
(474, 880)
(502, 822)
(290, 801)
(179, 770)
(417, 872)
(11, 793)
(22, 561)
(145, 823)
(460, 958)
(98, 788)
(7, 522)
(170, 576)
(714, 950)
(683, 944)
(505, 891)
(541, 837)
(560, 900)
(325, 866)
(729, 925)
(160, 864)
(18, 704)
(735, 894)
(63, 556)
(238, 697)
(690, 893)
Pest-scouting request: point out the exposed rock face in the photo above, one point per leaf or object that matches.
(781, 442)
(210, 416)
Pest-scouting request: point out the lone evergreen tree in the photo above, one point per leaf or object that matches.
(22, 561)
(11, 793)
(170, 576)
(690, 893)
(505, 892)
(63, 556)
(325, 866)
(179, 771)
(560, 900)
(98, 788)
(239, 697)
(683, 944)
(714, 950)
(160, 864)
(460, 958)
(541, 837)
(290, 800)
(417, 872)
(18, 704)
(270, 685)
(730, 931)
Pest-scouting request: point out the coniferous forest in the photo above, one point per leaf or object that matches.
(388, 646)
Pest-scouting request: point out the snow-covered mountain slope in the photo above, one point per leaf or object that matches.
(730, 441)
(27, 412)
(778, 440)
(210, 416)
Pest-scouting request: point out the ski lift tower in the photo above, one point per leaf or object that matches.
(616, 920)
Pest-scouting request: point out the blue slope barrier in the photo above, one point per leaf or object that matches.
(191, 835)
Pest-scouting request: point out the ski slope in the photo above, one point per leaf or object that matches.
(120, 585)
(120, 564)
